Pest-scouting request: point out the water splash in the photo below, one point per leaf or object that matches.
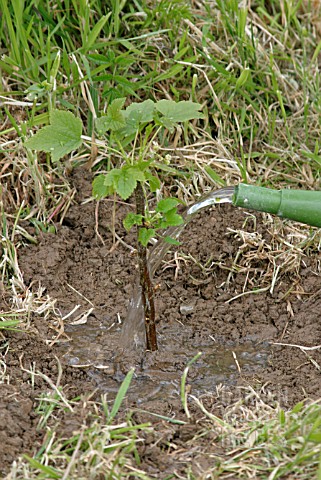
(224, 195)
(133, 334)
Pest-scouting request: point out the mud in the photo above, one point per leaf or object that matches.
(93, 277)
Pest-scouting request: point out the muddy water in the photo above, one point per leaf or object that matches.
(108, 352)
(158, 375)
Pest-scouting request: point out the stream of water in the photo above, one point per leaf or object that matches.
(109, 353)
(133, 333)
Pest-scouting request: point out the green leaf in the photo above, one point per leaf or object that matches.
(94, 33)
(50, 472)
(145, 234)
(243, 78)
(137, 113)
(126, 184)
(312, 156)
(163, 417)
(143, 164)
(154, 182)
(315, 437)
(171, 240)
(111, 178)
(60, 137)
(170, 73)
(297, 407)
(213, 175)
(114, 120)
(173, 219)
(166, 123)
(8, 324)
(167, 204)
(115, 113)
(177, 112)
(121, 395)
(122, 180)
(168, 169)
(136, 173)
(132, 219)
(126, 181)
(100, 189)
(282, 417)
(98, 58)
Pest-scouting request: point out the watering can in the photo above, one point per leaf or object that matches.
(300, 205)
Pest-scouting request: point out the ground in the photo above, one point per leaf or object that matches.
(203, 304)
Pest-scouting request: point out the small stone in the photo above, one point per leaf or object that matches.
(186, 309)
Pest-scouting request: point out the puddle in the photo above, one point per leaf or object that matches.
(108, 352)
(158, 374)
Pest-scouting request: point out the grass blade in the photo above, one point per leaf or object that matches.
(183, 384)
(121, 395)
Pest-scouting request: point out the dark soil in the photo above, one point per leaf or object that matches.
(76, 268)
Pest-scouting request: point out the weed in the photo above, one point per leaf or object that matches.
(131, 133)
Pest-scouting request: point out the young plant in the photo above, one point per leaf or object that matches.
(130, 132)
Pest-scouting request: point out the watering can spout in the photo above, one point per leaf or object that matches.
(300, 205)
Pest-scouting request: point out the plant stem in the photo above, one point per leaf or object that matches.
(145, 279)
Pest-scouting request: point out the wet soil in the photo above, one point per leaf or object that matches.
(92, 278)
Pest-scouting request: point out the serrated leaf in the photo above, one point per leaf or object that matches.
(140, 112)
(173, 219)
(111, 178)
(126, 184)
(136, 115)
(132, 219)
(116, 106)
(143, 164)
(60, 137)
(114, 119)
(122, 180)
(107, 123)
(177, 112)
(100, 189)
(167, 204)
(136, 173)
(126, 180)
(145, 234)
(166, 122)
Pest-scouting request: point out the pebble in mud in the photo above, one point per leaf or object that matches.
(186, 309)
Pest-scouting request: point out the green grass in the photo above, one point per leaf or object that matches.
(105, 447)
(253, 437)
(255, 71)
(273, 444)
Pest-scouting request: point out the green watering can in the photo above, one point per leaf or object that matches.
(300, 205)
